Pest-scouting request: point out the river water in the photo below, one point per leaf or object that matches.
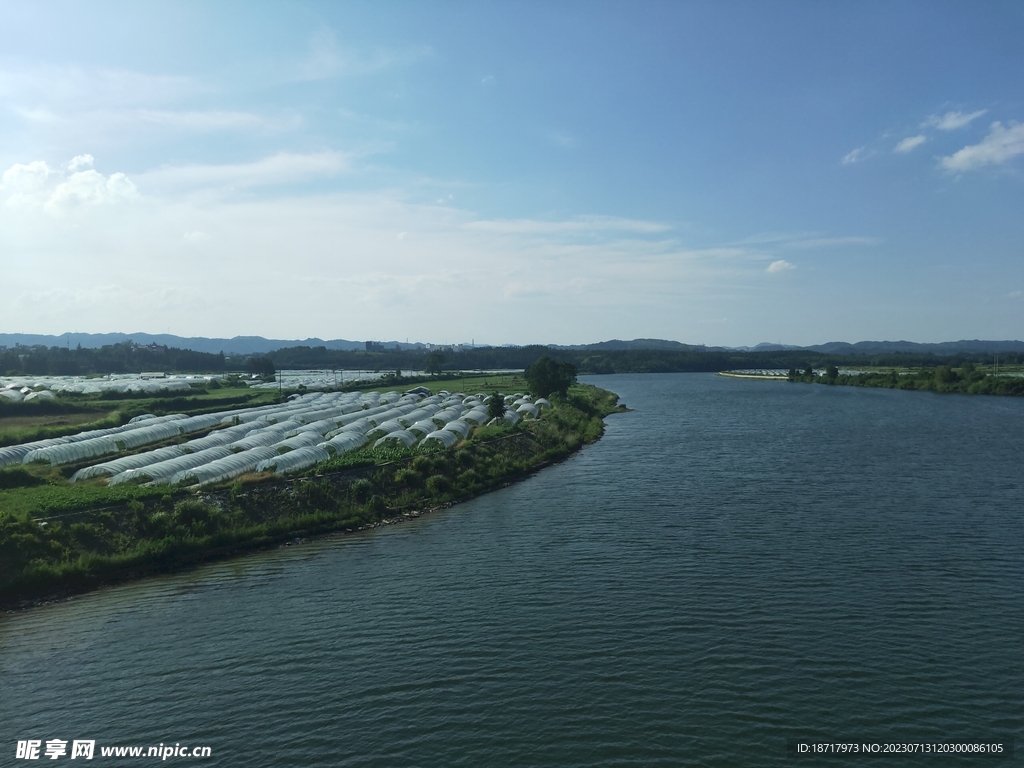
(736, 563)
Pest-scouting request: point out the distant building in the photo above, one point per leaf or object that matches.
(374, 346)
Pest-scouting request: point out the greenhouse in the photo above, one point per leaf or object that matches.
(404, 437)
(162, 472)
(70, 453)
(116, 466)
(227, 468)
(294, 461)
(528, 409)
(459, 427)
(287, 437)
(424, 427)
(301, 440)
(447, 439)
(343, 443)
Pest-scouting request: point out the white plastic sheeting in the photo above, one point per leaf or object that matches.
(385, 428)
(478, 416)
(227, 468)
(44, 395)
(424, 427)
(528, 409)
(333, 423)
(345, 442)
(447, 439)
(162, 472)
(294, 461)
(402, 436)
(459, 427)
(116, 466)
(71, 453)
(221, 437)
(301, 440)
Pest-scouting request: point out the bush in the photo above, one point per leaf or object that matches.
(438, 484)
(361, 489)
(195, 516)
(423, 464)
(19, 478)
(408, 478)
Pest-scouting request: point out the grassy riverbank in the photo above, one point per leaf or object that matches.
(64, 539)
(967, 379)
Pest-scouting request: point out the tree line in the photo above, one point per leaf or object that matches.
(127, 357)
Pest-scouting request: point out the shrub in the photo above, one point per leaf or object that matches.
(408, 478)
(194, 515)
(361, 489)
(423, 464)
(439, 484)
(19, 478)
(469, 478)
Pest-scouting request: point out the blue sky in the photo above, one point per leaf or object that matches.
(712, 172)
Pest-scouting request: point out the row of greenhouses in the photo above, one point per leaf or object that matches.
(280, 438)
(19, 388)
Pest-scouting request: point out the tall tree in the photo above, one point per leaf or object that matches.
(546, 377)
(496, 406)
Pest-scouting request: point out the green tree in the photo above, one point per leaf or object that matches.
(432, 363)
(547, 376)
(496, 406)
(262, 367)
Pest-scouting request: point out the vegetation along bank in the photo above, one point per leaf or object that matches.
(968, 379)
(58, 539)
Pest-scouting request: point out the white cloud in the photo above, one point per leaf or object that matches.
(80, 161)
(828, 242)
(804, 240)
(342, 254)
(1000, 145)
(327, 58)
(951, 120)
(780, 266)
(284, 168)
(855, 156)
(77, 88)
(910, 143)
(25, 179)
(582, 224)
(90, 188)
(37, 185)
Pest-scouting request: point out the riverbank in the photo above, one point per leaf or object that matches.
(42, 560)
(966, 380)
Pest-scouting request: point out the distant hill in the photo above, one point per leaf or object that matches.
(971, 347)
(238, 345)
(615, 344)
(258, 345)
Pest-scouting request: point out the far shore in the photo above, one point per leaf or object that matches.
(752, 376)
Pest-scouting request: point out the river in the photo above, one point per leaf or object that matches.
(734, 564)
